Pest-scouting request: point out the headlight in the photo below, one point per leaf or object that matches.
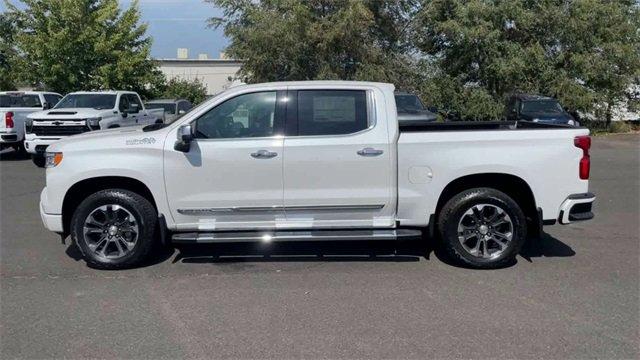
(536, 120)
(28, 125)
(53, 159)
(94, 123)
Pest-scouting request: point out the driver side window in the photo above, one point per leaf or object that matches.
(244, 116)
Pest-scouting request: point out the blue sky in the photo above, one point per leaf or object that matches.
(178, 23)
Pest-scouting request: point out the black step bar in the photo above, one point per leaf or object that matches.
(294, 235)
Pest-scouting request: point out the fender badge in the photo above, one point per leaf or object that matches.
(143, 141)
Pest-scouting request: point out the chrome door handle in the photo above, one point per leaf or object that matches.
(370, 152)
(264, 154)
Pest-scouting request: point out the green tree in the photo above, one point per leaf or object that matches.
(69, 45)
(320, 39)
(8, 53)
(586, 53)
(194, 91)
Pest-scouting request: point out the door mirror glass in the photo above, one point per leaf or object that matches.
(46, 106)
(184, 137)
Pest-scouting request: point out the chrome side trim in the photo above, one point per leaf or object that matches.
(295, 235)
(205, 211)
(333, 207)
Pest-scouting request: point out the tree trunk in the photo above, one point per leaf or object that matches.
(608, 115)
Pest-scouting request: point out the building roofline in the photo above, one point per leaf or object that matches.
(201, 61)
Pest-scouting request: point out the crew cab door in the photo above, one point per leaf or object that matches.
(127, 117)
(231, 178)
(338, 162)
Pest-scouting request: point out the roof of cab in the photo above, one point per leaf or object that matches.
(106, 92)
(163, 101)
(27, 92)
(315, 83)
(531, 97)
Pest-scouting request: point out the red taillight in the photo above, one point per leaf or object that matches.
(584, 143)
(8, 119)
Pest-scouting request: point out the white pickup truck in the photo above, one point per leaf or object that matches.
(80, 112)
(14, 108)
(322, 160)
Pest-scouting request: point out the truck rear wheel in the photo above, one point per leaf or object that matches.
(482, 228)
(114, 229)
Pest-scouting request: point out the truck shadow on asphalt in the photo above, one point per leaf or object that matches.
(332, 251)
(11, 155)
(348, 251)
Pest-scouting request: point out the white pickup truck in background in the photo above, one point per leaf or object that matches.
(80, 112)
(14, 108)
(318, 160)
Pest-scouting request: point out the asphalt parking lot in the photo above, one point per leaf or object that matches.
(572, 294)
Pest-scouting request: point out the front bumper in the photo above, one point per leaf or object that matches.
(577, 207)
(52, 222)
(38, 145)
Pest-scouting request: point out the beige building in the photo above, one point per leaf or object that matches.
(216, 74)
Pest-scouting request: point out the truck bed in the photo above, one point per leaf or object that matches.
(479, 125)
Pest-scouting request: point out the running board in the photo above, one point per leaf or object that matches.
(294, 235)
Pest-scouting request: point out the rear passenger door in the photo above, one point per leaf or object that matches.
(337, 161)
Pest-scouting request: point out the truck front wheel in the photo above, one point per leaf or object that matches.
(482, 228)
(114, 229)
(39, 160)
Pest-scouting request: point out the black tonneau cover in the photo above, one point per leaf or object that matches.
(479, 125)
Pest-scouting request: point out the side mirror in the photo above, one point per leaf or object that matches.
(184, 137)
(181, 112)
(46, 106)
(124, 113)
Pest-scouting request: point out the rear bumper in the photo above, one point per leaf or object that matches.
(576, 207)
(52, 222)
(9, 137)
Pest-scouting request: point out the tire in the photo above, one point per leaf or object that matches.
(105, 210)
(39, 160)
(20, 150)
(477, 244)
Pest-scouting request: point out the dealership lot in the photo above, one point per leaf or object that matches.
(575, 293)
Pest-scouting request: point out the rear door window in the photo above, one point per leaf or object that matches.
(52, 99)
(20, 101)
(331, 112)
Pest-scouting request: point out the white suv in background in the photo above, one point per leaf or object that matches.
(80, 112)
(14, 108)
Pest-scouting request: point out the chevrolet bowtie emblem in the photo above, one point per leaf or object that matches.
(57, 123)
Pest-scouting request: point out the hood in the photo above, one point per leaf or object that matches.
(70, 113)
(548, 118)
(110, 139)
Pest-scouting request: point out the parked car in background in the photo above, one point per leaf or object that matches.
(80, 112)
(14, 108)
(314, 160)
(173, 108)
(536, 108)
(411, 111)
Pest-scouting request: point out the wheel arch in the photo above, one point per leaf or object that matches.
(80, 190)
(514, 186)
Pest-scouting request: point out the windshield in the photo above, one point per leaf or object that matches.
(408, 103)
(19, 101)
(95, 101)
(541, 107)
(168, 107)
